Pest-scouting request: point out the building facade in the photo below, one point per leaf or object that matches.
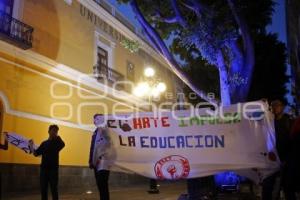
(62, 61)
(293, 44)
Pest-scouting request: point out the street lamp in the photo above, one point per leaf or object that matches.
(149, 72)
(141, 89)
(161, 87)
(151, 86)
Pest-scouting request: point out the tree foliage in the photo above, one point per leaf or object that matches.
(213, 38)
(269, 76)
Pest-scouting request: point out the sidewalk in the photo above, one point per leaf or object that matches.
(168, 191)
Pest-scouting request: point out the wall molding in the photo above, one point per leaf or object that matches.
(8, 110)
(67, 72)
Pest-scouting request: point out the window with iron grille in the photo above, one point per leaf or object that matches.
(102, 63)
(102, 57)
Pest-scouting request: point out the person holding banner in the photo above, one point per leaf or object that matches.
(294, 161)
(5, 145)
(283, 125)
(99, 156)
(49, 150)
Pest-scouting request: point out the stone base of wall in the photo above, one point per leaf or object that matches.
(25, 178)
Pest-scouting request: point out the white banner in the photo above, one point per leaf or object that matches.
(196, 143)
(20, 142)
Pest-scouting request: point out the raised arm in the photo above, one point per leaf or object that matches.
(60, 143)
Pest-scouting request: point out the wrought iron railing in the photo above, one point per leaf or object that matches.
(15, 31)
(107, 75)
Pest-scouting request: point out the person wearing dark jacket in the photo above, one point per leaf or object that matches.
(283, 125)
(3, 147)
(294, 161)
(49, 150)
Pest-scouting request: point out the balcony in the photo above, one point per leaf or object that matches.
(108, 76)
(15, 32)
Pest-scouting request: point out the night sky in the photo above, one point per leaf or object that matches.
(279, 24)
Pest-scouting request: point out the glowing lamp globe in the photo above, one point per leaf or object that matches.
(141, 90)
(161, 87)
(149, 72)
(155, 92)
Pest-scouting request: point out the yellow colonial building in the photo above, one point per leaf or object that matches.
(62, 61)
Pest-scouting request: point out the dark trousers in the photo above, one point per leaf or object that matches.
(193, 187)
(102, 177)
(153, 184)
(49, 176)
(268, 187)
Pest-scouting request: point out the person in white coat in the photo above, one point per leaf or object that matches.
(99, 159)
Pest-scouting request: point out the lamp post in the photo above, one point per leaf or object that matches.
(150, 87)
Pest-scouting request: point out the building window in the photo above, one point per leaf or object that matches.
(103, 61)
(102, 57)
(103, 50)
(130, 71)
(101, 69)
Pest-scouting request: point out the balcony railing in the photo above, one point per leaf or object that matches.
(15, 32)
(108, 76)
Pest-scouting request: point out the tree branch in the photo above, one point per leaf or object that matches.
(177, 18)
(151, 40)
(178, 14)
(238, 57)
(169, 20)
(249, 60)
(224, 84)
(196, 7)
(166, 53)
